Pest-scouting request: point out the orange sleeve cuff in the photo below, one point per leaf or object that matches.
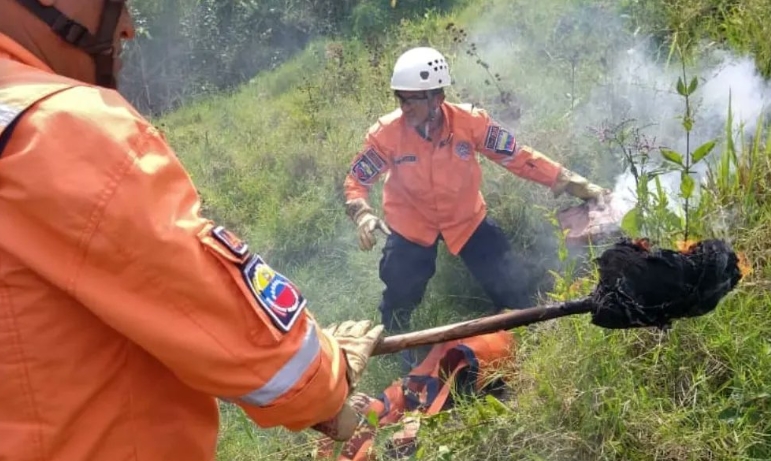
(353, 189)
(319, 399)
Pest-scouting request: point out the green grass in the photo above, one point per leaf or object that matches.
(269, 161)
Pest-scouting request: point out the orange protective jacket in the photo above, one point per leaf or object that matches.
(433, 187)
(123, 312)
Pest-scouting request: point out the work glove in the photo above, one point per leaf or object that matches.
(577, 186)
(342, 426)
(366, 222)
(357, 340)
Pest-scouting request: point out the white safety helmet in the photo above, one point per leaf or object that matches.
(420, 69)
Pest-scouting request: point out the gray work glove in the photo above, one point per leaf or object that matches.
(357, 340)
(577, 186)
(366, 223)
(342, 426)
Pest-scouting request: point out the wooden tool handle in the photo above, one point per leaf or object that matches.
(483, 325)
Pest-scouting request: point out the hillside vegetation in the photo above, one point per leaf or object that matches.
(591, 83)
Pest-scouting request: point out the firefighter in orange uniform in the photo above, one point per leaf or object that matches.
(124, 314)
(425, 150)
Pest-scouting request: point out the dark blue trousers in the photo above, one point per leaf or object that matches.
(406, 268)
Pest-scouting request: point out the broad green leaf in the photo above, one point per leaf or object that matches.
(630, 223)
(702, 151)
(372, 418)
(672, 156)
(496, 405)
(681, 86)
(694, 84)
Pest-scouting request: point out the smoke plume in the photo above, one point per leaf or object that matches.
(619, 80)
(646, 90)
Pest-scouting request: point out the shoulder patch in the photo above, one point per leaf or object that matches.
(368, 166)
(275, 293)
(230, 241)
(500, 140)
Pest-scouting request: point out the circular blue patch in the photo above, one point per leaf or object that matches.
(463, 149)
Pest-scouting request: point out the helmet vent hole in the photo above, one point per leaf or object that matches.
(424, 74)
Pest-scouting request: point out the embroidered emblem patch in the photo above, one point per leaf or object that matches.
(230, 241)
(275, 293)
(492, 136)
(463, 149)
(368, 166)
(405, 159)
(500, 140)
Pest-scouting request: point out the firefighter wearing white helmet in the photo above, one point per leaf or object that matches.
(420, 69)
(425, 152)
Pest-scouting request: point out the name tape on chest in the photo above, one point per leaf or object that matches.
(409, 158)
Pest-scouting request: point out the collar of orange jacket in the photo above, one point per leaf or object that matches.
(10, 49)
(447, 128)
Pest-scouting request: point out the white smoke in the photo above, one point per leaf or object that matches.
(645, 92)
(622, 80)
(634, 87)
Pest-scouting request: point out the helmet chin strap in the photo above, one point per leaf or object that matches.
(98, 46)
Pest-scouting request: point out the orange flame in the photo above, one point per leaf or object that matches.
(642, 243)
(744, 264)
(685, 246)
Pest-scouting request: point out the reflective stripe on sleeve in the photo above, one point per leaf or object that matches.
(286, 378)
